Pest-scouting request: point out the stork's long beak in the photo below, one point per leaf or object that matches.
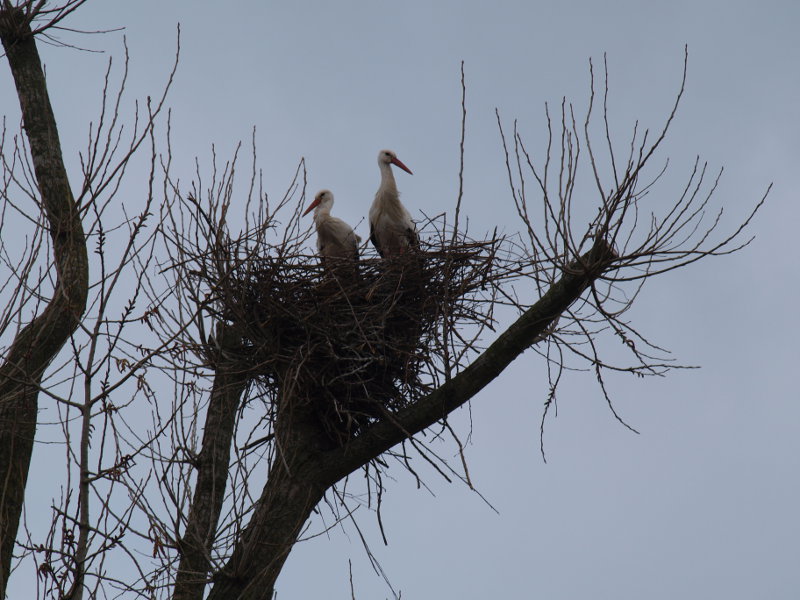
(312, 206)
(399, 163)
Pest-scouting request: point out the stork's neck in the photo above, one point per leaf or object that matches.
(321, 213)
(388, 185)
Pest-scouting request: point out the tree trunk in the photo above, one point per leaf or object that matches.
(289, 495)
(285, 505)
(38, 343)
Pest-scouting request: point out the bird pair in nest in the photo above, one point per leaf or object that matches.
(391, 229)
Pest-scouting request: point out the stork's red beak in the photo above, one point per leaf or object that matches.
(399, 163)
(312, 206)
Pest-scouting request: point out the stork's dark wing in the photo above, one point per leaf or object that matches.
(413, 238)
(374, 239)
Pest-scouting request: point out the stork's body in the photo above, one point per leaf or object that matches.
(336, 240)
(391, 229)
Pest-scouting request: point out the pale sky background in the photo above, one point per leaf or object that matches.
(704, 503)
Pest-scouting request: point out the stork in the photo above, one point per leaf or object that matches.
(391, 229)
(336, 240)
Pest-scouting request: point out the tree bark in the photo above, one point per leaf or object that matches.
(212, 476)
(38, 343)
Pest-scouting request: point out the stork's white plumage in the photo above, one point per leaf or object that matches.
(391, 229)
(335, 238)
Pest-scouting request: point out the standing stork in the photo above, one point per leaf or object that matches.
(391, 229)
(336, 240)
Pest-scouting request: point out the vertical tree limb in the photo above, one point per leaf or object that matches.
(213, 465)
(37, 344)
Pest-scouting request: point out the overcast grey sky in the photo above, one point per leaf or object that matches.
(704, 503)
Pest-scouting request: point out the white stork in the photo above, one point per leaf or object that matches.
(391, 229)
(336, 240)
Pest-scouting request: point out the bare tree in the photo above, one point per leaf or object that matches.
(286, 379)
(70, 301)
(342, 374)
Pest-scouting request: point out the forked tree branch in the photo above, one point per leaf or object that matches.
(298, 480)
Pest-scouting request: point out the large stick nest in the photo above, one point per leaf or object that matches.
(359, 340)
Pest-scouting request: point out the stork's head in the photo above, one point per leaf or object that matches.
(387, 157)
(323, 200)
